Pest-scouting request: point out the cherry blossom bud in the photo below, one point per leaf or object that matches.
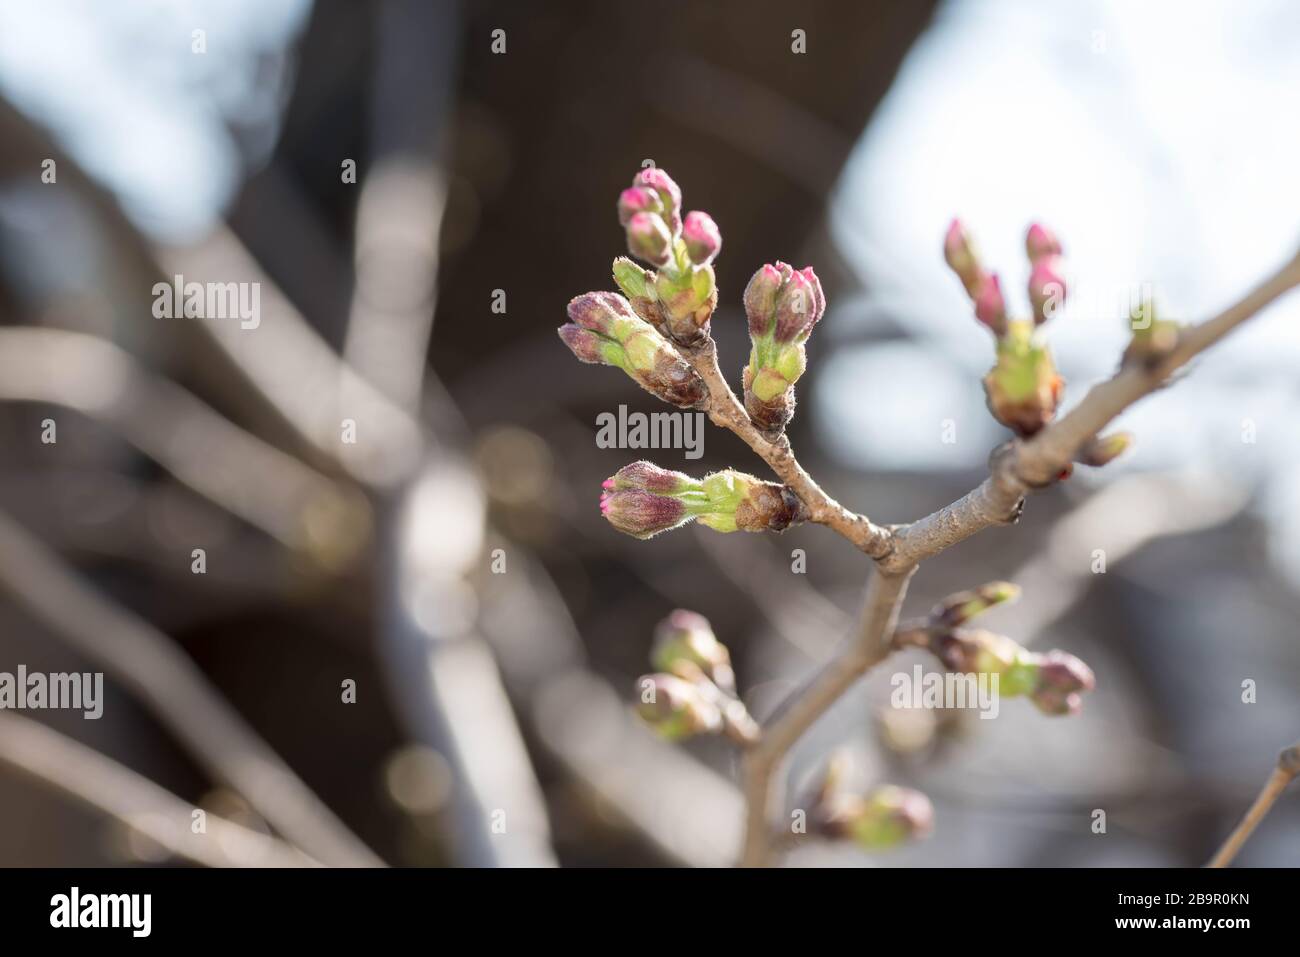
(635, 200)
(1041, 241)
(1105, 449)
(590, 347)
(990, 306)
(1052, 681)
(799, 306)
(668, 192)
(676, 708)
(1061, 678)
(963, 606)
(638, 285)
(605, 330)
(773, 413)
(642, 500)
(648, 238)
(649, 477)
(685, 636)
(1046, 288)
(959, 252)
(686, 302)
(1023, 390)
(760, 298)
(882, 819)
(782, 305)
(643, 514)
(702, 237)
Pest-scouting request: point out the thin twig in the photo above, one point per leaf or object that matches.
(1288, 766)
(99, 782)
(725, 411)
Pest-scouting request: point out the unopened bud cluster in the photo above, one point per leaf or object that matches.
(877, 820)
(1023, 389)
(782, 305)
(694, 692)
(1054, 681)
(643, 500)
(678, 297)
(604, 329)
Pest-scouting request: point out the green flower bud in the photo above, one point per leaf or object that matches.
(676, 708)
(649, 238)
(605, 330)
(643, 500)
(782, 305)
(1023, 389)
(882, 819)
(963, 606)
(639, 286)
(1053, 681)
(685, 636)
(686, 300)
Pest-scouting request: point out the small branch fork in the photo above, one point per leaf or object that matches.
(1016, 468)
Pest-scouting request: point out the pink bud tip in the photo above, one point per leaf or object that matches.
(1046, 288)
(955, 239)
(990, 307)
(1041, 241)
(608, 483)
(648, 238)
(637, 200)
(702, 237)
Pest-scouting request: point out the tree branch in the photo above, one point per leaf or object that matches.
(725, 411)
(1288, 766)
(1016, 468)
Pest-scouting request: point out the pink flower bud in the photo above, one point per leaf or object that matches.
(642, 514)
(1061, 679)
(600, 312)
(1046, 288)
(703, 240)
(669, 194)
(637, 200)
(799, 306)
(651, 478)
(990, 307)
(584, 343)
(648, 238)
(959, 253)
(760, 297)
(1041, 241)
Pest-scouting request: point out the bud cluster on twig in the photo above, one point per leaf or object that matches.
(877, 820)
(1023, 389)
(1054, 681)
(782, 305)
(643, 500)
(694, 692)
